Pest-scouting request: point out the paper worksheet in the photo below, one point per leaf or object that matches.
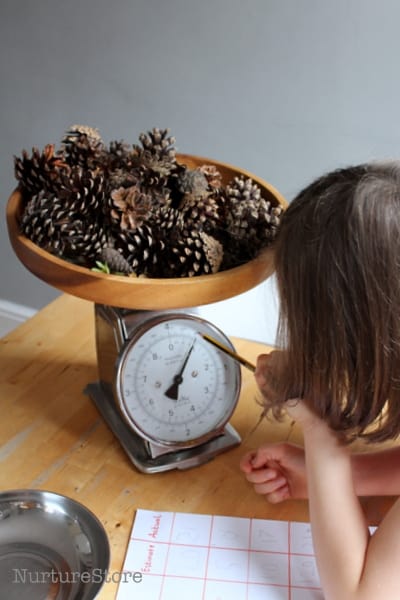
(205, 557)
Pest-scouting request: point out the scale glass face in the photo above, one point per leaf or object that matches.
(174, 387)
(165, 391)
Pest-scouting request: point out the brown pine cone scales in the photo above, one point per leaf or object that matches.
(41, 170)
(129, 207)
(83, 146)
(194, 253)
(66, 233)
(115, 261)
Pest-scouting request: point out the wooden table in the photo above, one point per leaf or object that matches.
(53, 438)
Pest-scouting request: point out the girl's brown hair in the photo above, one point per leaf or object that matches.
(337, 259)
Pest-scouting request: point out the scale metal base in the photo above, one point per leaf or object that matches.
(147, 457)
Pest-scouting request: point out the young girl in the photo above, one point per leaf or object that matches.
(337, 258)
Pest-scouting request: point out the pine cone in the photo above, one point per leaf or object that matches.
(193, 183)
(82, 241)
(141, 248)
(242, 188)
(165, 218)
(51, 225)
(250, 218)
(145, 246)
(83, 146)
(199, 207)
(204, 214)
(82, 191)
(121, 178)
(250, 226)
(214, 177)
(158, 144)
(41, 170)
(129, 207)
(115, 261)
(69, 223)
(247, 213)
(193, 253)
(119, 156)
(156, 159)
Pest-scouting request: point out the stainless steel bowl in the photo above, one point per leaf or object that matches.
(51, 548)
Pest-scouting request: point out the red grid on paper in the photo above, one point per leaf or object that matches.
(166, 560)
(249, 552)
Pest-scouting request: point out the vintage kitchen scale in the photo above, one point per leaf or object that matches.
(165, 391)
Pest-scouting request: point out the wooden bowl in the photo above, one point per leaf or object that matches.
(144, 293)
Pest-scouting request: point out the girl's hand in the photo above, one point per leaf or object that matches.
(277, 471)
(312, 425)
(265, 373)
(299, 411)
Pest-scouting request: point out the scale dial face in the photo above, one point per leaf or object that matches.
(172, 386)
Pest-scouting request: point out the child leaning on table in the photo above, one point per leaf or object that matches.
(337, 256)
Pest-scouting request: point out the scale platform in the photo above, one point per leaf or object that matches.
(140, 451)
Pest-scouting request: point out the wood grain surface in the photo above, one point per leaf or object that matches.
(53, 438)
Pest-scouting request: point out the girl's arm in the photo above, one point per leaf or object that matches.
(278, 471)
(377, 473)
(352, 565)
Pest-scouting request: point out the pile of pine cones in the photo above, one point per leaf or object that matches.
(134, 210)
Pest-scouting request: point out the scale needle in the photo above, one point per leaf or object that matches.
(231, 353)
(172, 391)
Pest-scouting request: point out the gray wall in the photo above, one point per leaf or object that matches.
(284, 88)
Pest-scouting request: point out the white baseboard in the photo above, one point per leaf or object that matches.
(12, 314)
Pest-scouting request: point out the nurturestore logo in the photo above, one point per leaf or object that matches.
(25, 576)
